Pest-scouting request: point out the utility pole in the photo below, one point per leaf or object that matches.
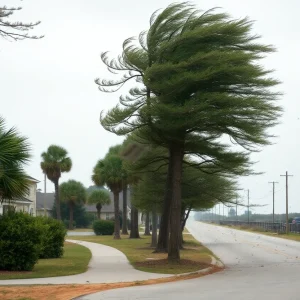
(248, 208)
(223, 212)
(287, 201)
(273, 183)
(236, 216)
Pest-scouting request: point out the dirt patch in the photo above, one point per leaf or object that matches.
(164, 262)
(14, 272)
(68, 292)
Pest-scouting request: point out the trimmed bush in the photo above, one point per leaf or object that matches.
(53, 238)
(103, 227)
(20, 241)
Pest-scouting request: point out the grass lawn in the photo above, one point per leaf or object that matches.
(290, 236)
(140, 255)
(82, 230)
(74, 261)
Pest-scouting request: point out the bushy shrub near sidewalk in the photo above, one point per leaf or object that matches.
(103, 227)
(54, 232)
(20, 241)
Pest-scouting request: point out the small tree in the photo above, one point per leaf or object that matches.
(15, 30)
(72, 192)
(56, 161)
(100, 198)
(110, 171)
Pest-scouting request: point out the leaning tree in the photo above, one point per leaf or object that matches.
(203, 92)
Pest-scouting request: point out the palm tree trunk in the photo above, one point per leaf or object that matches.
(154, 227)
(57, 202)
(71, 206)
(134, 232)
(117, 217)
(175, 224)
(164, 228)
(147, 224)
(99, 207)
(124, 224)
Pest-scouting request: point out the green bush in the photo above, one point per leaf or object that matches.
(103, 227)
(53, 238)
(20, 241)
(66, 224)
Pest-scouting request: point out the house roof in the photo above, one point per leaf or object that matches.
(48, 199)
(22, 199)
(33, 179)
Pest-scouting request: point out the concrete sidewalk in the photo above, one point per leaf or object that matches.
(107, 265)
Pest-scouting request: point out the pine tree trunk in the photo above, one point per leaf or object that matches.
(124, 224)
(134, 232)
(147, 224)
(175, 217)
(117, 218)
(154, 227)
(99, 207)
(57, 202)
(164, 228)
(71, 205)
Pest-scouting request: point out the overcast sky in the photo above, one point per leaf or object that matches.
(48, 90)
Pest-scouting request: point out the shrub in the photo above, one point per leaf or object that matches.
(20, 241)
(66, 224)
(53, 238)
(103, 227)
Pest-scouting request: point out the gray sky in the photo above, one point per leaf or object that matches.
(48, 90)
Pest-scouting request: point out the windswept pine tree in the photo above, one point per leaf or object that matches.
(200, 92)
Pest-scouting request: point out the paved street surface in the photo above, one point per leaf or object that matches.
(257, 267)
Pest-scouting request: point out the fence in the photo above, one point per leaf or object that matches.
(267, 226)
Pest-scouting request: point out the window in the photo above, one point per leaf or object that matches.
(107, 216)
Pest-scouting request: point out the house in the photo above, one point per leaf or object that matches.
(45, 203)
(26, 204)
(107, 211)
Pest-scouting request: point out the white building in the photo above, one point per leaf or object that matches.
(26, 204)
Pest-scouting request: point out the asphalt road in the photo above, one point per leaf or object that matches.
(257, 267)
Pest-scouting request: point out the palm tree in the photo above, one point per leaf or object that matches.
(14, 153)
(100, 198)
(110, 171)
(56, 161)
(72, 192)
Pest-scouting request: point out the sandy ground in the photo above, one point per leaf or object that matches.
(67, 292)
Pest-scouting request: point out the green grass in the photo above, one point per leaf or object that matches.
(74, 261)
(82, 230)
(138, 251)
(290, 236)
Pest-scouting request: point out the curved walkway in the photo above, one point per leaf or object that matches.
(107, 265)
